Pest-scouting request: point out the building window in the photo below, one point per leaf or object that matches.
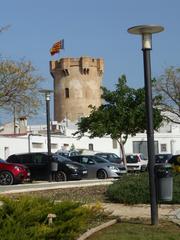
(6, 152)
(114, 143)
(65, 146)
(67, 92)
(141, 147)
(163, 147)
(37, 145)
(91, 147)
(54, 145)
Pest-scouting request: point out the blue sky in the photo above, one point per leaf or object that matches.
(96, 28)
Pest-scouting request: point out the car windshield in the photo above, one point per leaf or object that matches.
(108, 155)
(132, 159)
(99, 159)
(113, 155)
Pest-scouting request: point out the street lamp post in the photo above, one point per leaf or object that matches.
(146, 32)
(47, 94)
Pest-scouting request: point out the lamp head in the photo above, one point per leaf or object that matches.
(47, 93)
(146, 32)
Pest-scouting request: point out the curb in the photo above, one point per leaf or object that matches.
(96, 229)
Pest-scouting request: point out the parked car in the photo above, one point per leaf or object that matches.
(40, 164)
(67, 153)
(136, 162)
(175, 162)
(112, 157)
(162, 158)
(99, 167)
(11, 173)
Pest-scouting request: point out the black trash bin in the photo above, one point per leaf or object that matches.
(164, 180)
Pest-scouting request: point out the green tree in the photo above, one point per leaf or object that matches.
(122, 114)
(19, 87)
(168, 86)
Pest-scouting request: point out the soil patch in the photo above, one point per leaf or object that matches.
(86, 194)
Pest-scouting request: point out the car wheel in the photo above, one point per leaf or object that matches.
(60, 176)
(102, 174)
(6, 178)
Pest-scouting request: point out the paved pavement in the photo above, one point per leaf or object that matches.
(165, 211)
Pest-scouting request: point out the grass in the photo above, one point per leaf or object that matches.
(137, 230)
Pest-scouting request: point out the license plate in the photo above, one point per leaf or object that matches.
(131, 168)
(122, 171)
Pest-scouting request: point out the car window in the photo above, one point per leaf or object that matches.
(25, 159)
(84, 160)
(12, 159)
(40, 159)
(114, 155)
(99, 159)
(103, 156)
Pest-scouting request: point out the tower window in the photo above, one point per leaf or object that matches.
(67, 92)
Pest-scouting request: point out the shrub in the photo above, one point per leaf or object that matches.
(26, 218)
(130, 189)
(176, 188)
(134, 189)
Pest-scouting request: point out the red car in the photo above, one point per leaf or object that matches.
(11, 173)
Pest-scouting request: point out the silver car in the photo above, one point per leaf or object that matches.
(99, 167)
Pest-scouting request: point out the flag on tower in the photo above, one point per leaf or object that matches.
(56, 47)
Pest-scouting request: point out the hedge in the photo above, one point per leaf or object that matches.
(134, 189)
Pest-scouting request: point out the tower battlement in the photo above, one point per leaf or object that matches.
(85, 64)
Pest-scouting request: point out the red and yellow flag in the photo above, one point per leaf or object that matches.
(56, 47)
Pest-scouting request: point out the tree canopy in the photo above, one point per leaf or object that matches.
(19, 87)
(121, 114)
(168, 87)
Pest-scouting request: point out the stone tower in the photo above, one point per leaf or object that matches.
(77, 83)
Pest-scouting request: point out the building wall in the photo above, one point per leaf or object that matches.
(167, 143)
(77, 83)
(12, 145)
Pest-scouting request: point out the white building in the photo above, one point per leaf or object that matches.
(167, 140)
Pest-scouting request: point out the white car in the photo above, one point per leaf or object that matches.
(136, 162)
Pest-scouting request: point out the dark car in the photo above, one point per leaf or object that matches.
(162, 158)
(11, 173)
(40, 164)
(112, 157)
(99, 167)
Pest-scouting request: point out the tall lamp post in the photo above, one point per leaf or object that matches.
(146, 32)
(47, 94)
